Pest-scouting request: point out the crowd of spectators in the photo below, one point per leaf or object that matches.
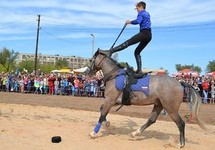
(79, 85)
(203, 84)
(52, 84)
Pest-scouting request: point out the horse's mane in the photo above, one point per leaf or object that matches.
(111, 59)
(116, 62)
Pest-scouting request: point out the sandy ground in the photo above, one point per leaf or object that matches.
(31, 126)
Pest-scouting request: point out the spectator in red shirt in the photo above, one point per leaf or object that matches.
(51, 80)
(205, 87)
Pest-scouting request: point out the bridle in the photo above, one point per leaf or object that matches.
(92, 63)
(108, 76)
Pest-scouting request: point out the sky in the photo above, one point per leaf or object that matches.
(183, 30)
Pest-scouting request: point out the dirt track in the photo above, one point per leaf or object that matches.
(93, 104)
(29, 122)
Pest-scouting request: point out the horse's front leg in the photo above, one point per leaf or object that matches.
(105, 108)
(107, 123)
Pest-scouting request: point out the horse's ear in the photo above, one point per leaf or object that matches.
(96, 53)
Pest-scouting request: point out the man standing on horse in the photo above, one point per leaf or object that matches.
(143, 37)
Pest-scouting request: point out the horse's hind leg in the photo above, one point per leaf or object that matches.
(181, 126)
(152, 119)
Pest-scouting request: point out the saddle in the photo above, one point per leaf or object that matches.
(130, 79)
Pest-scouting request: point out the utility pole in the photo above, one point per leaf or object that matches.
(93, 41)
(37, 40)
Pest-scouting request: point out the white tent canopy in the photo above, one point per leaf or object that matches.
(55, 71)
(80, 70)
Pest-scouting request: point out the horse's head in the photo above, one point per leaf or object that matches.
(95, 63)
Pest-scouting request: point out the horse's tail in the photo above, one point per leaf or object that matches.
(195, 102)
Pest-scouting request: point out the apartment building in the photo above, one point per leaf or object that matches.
(73, 61)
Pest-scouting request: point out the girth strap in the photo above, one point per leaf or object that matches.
(126, 95)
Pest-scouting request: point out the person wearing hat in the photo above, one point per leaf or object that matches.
(143, 37)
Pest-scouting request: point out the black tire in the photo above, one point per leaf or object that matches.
(56, 139)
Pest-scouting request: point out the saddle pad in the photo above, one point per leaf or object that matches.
(141, 85)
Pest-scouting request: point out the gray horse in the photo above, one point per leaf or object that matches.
(165, 93)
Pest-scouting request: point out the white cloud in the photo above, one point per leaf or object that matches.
(22, 14)
(74, 36)
(11, 38)
(182, 12)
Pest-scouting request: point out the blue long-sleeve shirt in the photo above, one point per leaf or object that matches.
(143, 19)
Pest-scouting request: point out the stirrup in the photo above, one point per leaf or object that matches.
(139, 75)
(129, 70)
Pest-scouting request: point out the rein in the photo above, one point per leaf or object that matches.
(102, 60)
(92, 68)
(109, 76)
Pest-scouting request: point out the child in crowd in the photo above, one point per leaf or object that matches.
(205, 87)
(62, 86)
(21, 84)
(45, 84)
(212, 92)
(76, 85)
(56, 85)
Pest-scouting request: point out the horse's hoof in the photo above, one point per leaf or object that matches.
(92, 134)
(132, 134)
(107, 124)
(181, 145)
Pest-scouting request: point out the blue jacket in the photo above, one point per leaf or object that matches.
(143, 19)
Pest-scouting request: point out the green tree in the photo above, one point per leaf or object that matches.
(47, 68)
(61, 64)
(211, 66)
(7, 58)
(27, 64)
(2, 68)
(180, 67)
(123, 64)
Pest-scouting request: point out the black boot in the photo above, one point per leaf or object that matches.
(139, 73)
(115, 49)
